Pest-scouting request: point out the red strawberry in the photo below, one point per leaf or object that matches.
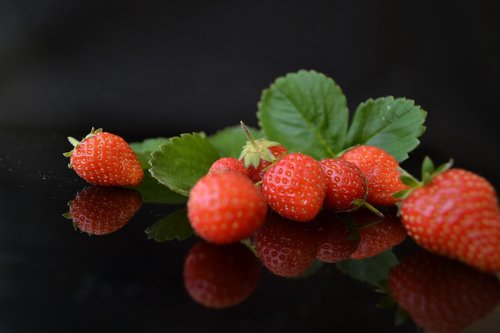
(257, 173)
(105, 159)
(337, 240)
(295, 187)
(381, 171)
(441, 295)
(377, 235)
(103, 210)
(226, 208)
(220, 276)
(284, 247)
(228, 164)
(455, 213)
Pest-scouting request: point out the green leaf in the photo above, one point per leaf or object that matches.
(144, 149)
(427, 168)
(182, 161)
(153, 192)
(306, 112)
(388, 123)
(231, 140)
(409, 181)
(371, 270)
(173, 226)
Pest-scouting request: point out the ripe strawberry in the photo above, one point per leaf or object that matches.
(284, 247)
(226, 208)
(455, 213)
(295, 187)
(337, 240)
(228, 164)
(441, 295)
(257, 173)
(103, 210)
(105, 159)
(220, 276)
(377, 235)
(381, 172)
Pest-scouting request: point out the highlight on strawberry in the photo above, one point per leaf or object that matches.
(105, 159)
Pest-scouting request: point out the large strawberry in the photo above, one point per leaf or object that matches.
(258, 154)
(376, 234)
(220, 276)
(442, 295)
(381, 171)
(226, 207)
(228, 164)
(103, 210)
(284, 247)
(454, 213)
(295, 187)
(105, 159)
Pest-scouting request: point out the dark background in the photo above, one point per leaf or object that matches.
(159, 68)
(151, 68)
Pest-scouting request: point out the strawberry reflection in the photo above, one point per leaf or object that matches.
(103, 210)
(218, 276)
(442, 295)
(285, 247)
(338, 240)
(376, 234)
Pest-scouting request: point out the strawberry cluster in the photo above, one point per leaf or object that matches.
(231, 202)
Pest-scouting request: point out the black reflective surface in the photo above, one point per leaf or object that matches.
(54, 278)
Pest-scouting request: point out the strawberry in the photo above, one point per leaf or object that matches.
(345, 184)
(377, 235)
(337, 240)
(441, 295)
(455, 213)
(284, 247)
(295, 187)
(103, 210)
(220, 276)
(226, 208)
(105, 159)
(381, 171)
(228, 164)
(258, 155)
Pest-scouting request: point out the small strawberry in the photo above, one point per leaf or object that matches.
(377, 235)
(284, 247)
(381, 171)
(258, 155)
(441, 295)
(103, 210)
(295, 187)
(105, 159)
(337, 240)
(228, 164)
(220, 276)
(454, 213)
(226, 208)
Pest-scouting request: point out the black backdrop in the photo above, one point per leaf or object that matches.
(151, 68)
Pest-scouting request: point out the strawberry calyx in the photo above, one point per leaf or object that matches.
(429, 171)
(75, 143)
(256, 149)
